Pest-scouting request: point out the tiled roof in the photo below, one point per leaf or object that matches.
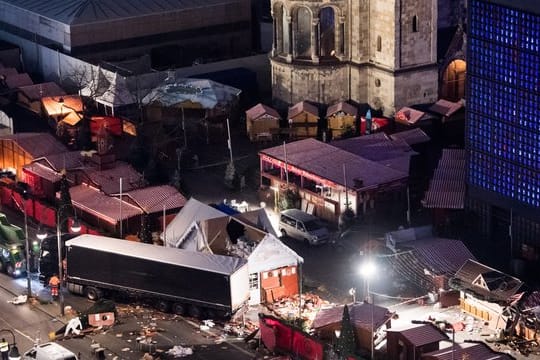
(37, 144)
(361, 315)
(420, 334)
(447, 188)
(378, 147)
(68, 160)
(468, 350)
(108, 180)
(302, 106)
(412, 136)
(485, 282)
(154, 198)
(438, 255)
(38, 91)
(342, 106)
(93, 201)
(90, 11)
(259, 110)
(326, 161)
(42, 171)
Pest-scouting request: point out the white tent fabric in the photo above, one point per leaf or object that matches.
(209, 94)
(184, 226)
(272, 254)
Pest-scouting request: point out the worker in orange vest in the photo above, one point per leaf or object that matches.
(54, 283)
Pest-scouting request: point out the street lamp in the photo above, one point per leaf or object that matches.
(13, 350)
(75, 227)
(367, 270)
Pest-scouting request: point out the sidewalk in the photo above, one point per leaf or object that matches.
(41, 297)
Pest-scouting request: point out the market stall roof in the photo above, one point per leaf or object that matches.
(108, 180)
(420, 334)
(38, 91)
(446, 108)
(447, 187)
(217, 263)
(361, 314)
(409, 116)
(37, 144)
(15, 81)
(485, 282)
(326, 162)
(192, 211)
(342, 106)
(302, 106)
(272, 254)
(64, 104)
(412, 136)
(153, 199)
(468, 350)
(198, 93)
(260, 110)
(93, 201)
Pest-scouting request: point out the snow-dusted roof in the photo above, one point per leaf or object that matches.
(76, 12)
(196, 260)
(271, 254)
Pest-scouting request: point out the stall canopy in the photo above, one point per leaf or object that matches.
(272, 254)
(178, 230)
(192, 93)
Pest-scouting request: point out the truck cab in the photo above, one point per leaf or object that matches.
(12, 261)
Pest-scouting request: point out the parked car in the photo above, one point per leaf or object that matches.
(49, 351)
(302, 226)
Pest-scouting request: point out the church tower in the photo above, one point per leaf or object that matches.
(380, 52)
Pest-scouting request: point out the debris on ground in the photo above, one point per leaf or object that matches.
(18, 300)
(179, 351)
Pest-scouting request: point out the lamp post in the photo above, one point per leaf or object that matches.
(13, 350)
(75, 227)
(367, 270)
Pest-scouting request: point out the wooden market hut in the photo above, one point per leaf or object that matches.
(261, 122)
(366, 319)
(341, 118)
(303, 119)
(30, 96)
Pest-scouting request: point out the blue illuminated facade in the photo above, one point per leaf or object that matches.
(503, 116)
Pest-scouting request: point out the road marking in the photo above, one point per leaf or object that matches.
(17, 330)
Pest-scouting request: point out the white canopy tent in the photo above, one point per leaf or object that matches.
(181, 230)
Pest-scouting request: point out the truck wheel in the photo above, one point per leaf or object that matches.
(93, 293)
(211, 314)
(10, 270)
(162, 305)
(195, 312)
(179, 308)
(283, 233)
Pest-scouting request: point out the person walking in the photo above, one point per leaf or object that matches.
(54, 283)
(4, 349)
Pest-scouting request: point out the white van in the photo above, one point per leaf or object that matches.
(304, 227)
(49, 351)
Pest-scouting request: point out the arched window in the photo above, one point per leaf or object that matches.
(284, 32)
(302, 39)
(327, 32)
(379, 43)
(415, 23)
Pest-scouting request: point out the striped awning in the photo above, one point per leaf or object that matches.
(447, 187)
